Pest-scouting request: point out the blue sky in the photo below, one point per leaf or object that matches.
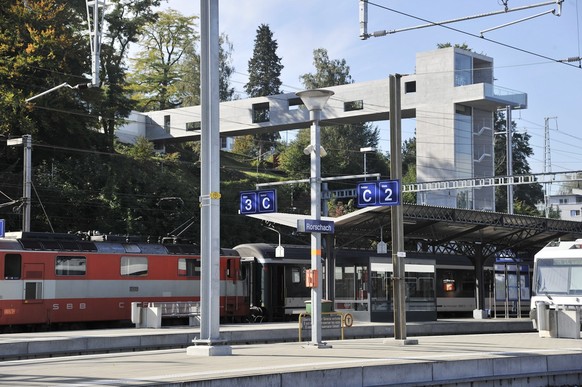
(300, 26)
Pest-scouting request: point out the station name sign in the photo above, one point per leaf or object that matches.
(315, 226)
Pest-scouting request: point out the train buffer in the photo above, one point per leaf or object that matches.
(561, 321)
(150, 314)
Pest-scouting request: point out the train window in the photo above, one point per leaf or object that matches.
(295, 275)
(32, 290)
(12, 266)
(70, 265)
(189, 267)
(134, 266)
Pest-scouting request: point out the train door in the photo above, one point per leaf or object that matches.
(33, 282)
(33, 292)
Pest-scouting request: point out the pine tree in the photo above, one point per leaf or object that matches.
(264, 79)
(264, 66)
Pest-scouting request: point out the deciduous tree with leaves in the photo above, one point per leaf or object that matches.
(342, 142)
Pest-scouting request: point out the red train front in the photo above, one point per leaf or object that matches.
(50, 278)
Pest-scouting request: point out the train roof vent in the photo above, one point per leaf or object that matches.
(183, 249)
(57, 245)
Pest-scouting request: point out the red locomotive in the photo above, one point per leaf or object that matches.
(52, 278)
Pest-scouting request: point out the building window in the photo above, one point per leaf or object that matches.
(167, 123)
(191, 126)
(574, 213)
(463, 70)
(261, 112)
(564, 201)
(353, 105)
(410, 87)
(295, 103)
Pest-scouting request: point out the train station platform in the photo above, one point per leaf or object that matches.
(517, 359)
(64, 343)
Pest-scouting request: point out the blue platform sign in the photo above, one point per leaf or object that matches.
(2, 229)
(267, 201)
(379, 193)
(258, 202)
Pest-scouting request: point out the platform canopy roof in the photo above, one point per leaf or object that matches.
(446, 229)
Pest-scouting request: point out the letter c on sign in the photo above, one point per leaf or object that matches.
(366, 195)
(266, 203)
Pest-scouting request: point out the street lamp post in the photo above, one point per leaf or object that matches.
(315, 100)
(365, 151)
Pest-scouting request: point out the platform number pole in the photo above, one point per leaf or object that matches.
(209, 187)
(397, 220)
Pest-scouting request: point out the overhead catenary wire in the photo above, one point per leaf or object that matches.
(432, 23)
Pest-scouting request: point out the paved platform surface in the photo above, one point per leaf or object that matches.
(517, 359)
(50, 344)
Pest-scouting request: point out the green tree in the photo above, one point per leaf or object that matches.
(342, 142)
(41, 47)
(125, 21)
(158, 68)
(409, 167)
(189, 84)
(526, 196)
(264, 70)
(264, 66)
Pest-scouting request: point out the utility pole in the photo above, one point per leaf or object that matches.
(26, 142)
(509, 140)
(95, 14)
(547, 161)
(397, 217)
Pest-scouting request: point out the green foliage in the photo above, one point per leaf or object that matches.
(342, 142)
(40, 48)
(327, 72)
(264, 79)
(264, 66)
(409, 168)
(158, 67)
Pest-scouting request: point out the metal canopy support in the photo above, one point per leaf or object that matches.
(209, 188)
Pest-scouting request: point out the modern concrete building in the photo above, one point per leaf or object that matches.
(455, 104)
(452, 95)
